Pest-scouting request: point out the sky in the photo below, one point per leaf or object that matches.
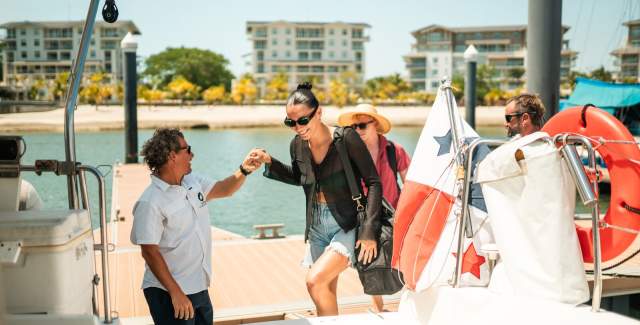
(595, 25)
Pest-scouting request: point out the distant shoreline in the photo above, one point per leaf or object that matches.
(87, 118)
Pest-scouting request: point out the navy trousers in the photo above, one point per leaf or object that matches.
(162, 312)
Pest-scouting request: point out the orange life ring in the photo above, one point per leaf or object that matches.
(617, 245)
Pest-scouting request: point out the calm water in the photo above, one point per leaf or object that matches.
(217, 154)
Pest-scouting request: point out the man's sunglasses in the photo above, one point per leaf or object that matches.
(361, 126)
(302, 121)
(187, 147)
(508, 117)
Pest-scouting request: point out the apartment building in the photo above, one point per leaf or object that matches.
(318, 51)
(43, 49)
(627, 58)
(439, 50)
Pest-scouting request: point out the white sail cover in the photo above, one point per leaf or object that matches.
(531, 206)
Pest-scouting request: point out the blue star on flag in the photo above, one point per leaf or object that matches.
(444, 142)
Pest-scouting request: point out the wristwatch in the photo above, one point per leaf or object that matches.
(244, 171)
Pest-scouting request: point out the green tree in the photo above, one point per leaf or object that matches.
(601, 74)
(485, 81)
(96, 90)
(278, 87)
(338, 92)
(571, 78)
(37, 89)
(245, 90)
(457, 83)
(182, 89)
(385, 88)
(204, 68)
(515, 73)
(214, 94)
(59, 88)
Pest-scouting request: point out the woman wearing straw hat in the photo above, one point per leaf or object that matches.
(371, 126)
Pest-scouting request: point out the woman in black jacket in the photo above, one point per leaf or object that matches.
(331, 212)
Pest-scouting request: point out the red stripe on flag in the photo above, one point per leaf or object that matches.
(420, 218)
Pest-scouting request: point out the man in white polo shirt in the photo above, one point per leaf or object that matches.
(171, 225)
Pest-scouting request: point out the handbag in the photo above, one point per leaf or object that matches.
(377, 277)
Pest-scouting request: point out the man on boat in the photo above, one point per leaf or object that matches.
(530, 199)
(171, 225)
(523, 115)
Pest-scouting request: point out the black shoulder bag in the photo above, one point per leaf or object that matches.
(377, 277)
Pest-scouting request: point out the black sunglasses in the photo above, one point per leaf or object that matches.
(187, 147)
(508, 117)
(361, 126)
(302, 121)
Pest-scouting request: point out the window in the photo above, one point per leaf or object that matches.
(93, 54)
(274, 42)
(288, 42)
(358, 56)
(23, 54)
(107, 67)
(65, 55)
(287, 31)
(344, 54)
(435, 84)
(288, 54)
(331, 54)
(356, 45)
(108, 32)
(332, 68)
(317, 68)
(36, 54)
(260, 44)
(260, 68)
(303, 56)
(317, 45)
(434, 60)
(23, 43)
(434, 72)
(107, 55)
(274, 31)
(36, 32)
(344, 42)
(52, 55)
(358, 68)
(36, 42)
(357, 33)
(274, 54)
(344, 32)
(331, 42)
(260, 55)
(331, 31)
(316, 56)
(23, 31)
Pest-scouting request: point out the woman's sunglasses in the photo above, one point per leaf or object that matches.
(302, 121)
(361, 126)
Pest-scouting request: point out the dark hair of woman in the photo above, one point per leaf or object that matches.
(303, 95)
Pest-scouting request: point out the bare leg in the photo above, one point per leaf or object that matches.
(378, 304)
(322, 281)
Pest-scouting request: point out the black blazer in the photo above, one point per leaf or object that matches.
(329, 177)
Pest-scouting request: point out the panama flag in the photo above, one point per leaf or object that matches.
(425, 230)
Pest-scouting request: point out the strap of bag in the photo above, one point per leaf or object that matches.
(393, 161)
(356, 195)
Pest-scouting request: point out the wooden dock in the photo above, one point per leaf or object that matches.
(252, 279)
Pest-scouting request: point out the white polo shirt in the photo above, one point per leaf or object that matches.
(176, 218)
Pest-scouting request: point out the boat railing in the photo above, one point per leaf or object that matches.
(62, 168)
(587, 190)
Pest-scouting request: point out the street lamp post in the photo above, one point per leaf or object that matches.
(129, 47)
(471, 58)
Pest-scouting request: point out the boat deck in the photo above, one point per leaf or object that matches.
(252, 279)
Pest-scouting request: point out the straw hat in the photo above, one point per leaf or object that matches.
(346, 118)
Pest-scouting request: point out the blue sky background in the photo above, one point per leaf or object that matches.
(220, 25)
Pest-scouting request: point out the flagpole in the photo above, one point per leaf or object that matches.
(446, 87)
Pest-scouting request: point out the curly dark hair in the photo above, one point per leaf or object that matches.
(156, 150)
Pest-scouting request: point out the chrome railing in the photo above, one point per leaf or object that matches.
(465, 216)
(588, 190)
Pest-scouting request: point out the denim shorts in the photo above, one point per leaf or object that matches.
(325, 233)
